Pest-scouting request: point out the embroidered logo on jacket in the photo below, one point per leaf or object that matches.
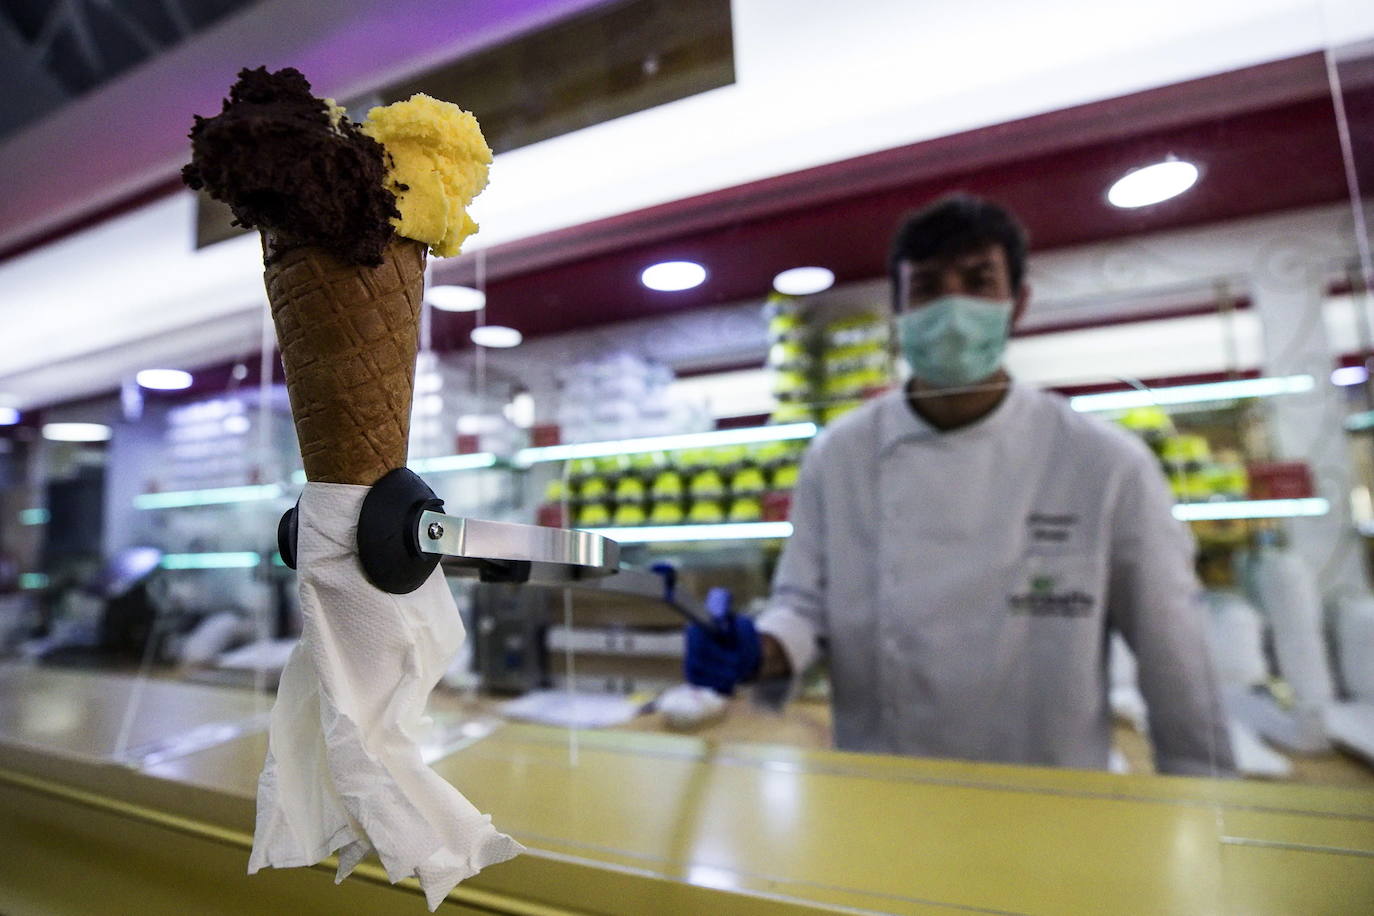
(1043, 600)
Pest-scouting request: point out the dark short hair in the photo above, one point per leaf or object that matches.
(956, 225)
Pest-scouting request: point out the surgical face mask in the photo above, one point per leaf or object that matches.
(955, 341)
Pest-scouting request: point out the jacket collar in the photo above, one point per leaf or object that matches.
(897, 422)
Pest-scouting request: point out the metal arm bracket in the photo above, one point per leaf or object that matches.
(403, 534)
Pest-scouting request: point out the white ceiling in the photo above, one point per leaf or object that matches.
(816, 82)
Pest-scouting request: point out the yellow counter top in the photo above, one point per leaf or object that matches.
(643, 823)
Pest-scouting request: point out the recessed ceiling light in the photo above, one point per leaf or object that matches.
(8, 416)
(76, 432)
(164, 379)
(237, 425)
(803, 281)
(428, 382)
(672, 276)
(1350, 375)
(520, 410)
(495, 335)
(456, 298)
(1152, 184)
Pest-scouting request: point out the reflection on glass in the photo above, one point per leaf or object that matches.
(932, 512)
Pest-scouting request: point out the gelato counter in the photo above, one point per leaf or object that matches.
(152, 812)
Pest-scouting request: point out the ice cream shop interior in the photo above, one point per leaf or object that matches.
(667, 457)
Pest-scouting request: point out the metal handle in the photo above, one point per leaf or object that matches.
(505, 552)
(402, 536)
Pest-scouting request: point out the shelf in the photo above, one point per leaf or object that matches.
(1188, 512)
(240, 559)
(472, 461)
(1252, 508)
(527, 457)
(34, 516)
(747, 436)
(1360, 422)
(178, 499)
(1194, 394)
(724, 532)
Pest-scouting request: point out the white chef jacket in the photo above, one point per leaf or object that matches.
(963, 585)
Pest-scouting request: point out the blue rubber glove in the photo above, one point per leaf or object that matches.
(729, 654)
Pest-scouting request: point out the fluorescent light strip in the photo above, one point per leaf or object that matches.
(783, 431)
(1192, 394)
(33, 580)
(1254, 508)
(34, 516)
(726, 532)
(1189, 512)
(452, 463)
(444, 463)
(236, 560)
(1359, 422)
(181, 498)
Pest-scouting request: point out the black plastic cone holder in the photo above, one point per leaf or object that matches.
(403, 536)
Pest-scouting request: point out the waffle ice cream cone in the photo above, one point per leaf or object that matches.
(347, 212)
(348, 335)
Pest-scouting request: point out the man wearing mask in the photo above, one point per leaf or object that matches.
(964, 545)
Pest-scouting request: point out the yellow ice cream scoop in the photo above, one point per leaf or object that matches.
(437, 164)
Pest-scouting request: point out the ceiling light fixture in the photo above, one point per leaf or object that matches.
(804, 281)
(76, 432)
(673, 276)
(1349, 375)
(496, 335)
(164, 379)
(1152, 184)
(456, 298)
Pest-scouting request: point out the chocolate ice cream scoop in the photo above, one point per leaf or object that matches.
(290, 163)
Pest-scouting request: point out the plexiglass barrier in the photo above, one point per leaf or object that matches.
(1109, 603)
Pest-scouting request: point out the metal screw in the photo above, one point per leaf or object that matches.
(436, 531)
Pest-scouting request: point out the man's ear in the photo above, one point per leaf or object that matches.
(1020, 303)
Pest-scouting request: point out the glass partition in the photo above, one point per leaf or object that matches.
(1136, 569)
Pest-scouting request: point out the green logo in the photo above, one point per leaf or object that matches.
(1043, 600)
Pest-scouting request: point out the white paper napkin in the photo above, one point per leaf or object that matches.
(344, 770)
